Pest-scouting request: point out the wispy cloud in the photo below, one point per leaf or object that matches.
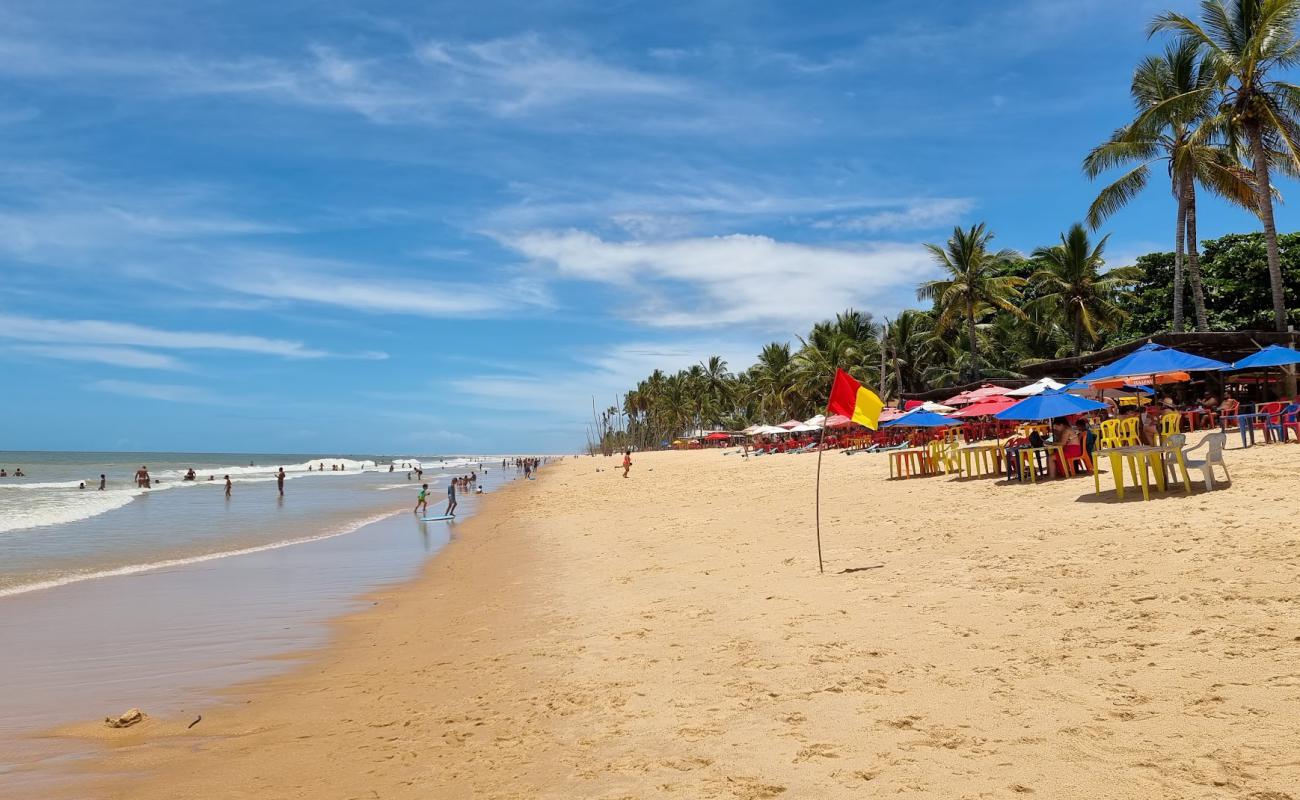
(915, 215)
(727, 280)
(287, 277)
(425, 82)
(566, 391)
(100, 332)
(168, 392)
(111, 356)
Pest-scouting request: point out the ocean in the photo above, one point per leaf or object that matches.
(54, 532)
(159, 597)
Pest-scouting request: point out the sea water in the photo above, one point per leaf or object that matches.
(155, 597)
(54, 532)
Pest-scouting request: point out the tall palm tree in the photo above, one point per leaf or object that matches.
(908, 342)
(976, 284)
(1246, 42)
(774, 380)
(1183, 136)
(1070, 283)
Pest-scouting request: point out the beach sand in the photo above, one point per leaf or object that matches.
(669, 635)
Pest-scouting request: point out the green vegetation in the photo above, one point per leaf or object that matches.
(1210, 110)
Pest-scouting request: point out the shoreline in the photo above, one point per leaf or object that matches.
(590, 636)
(105, 774)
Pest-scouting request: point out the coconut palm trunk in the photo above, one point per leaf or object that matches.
(974, 345)
(1264, 198)
(1194, 259)
(1180, 233)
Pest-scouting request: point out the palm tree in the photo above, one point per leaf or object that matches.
(774, 379)
(1246, 42)
(908, 342)
(1070, 283)
(1183, 135)
(976, 284)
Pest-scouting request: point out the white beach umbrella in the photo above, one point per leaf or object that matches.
(818, 421)
(938, 408)
(802, 428)
(1042, 385)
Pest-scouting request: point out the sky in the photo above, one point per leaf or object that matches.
(440, 227)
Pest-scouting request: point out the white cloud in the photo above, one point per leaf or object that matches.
(167, 392)
(426, 83)
(523, 73)
(283, 276)
(112, 356)
(98, 332)
(917, 215)
(727, 280)
(567, 392)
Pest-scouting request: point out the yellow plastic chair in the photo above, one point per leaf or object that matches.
(1171, 423)
(1114, 434)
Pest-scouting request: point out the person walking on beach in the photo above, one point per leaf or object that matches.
(451, 500)
(228, 486)
(279, 480)
(422, 501)
(627, 462)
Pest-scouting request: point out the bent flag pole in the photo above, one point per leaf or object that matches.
(861, 405)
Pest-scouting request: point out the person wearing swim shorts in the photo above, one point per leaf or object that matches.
(451, 500)
(422, 501)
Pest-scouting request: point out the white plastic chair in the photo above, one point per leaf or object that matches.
(1213, 443)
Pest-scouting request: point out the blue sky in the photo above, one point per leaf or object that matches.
(442, 227)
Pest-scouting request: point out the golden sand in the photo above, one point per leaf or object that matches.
(669, 635)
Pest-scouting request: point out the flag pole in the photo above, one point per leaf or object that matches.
(821, 448)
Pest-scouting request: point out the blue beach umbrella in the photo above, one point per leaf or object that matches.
(1151, 359)
(920, 419)
(1080, 387)
(1047, 405)
(1272, 356)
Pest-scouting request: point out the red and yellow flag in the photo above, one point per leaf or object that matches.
(855, 401)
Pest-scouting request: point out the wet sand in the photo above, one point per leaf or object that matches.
(669, 635)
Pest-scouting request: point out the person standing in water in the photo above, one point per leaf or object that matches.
(451, 500)
(228, 487)
(279, 480)
(142, 477)
(102, 481)
(422, 500)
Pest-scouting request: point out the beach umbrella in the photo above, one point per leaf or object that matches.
(889, 412)
(840, 421)
(817, 421)
(986, 407)
(1150, 360)
(921, 419)
(802, 428)
(752, 429)
(1272, 356)
(717, 436)
(959, 399)
(1081, 388)
(937, 408)
(1135, 382)
(1047, 405)
(790, 423)
(1042, 385)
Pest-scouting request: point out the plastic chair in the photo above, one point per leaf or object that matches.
(1175, 461)
(1213, 443)
(1171, 422)
(1277, 424)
